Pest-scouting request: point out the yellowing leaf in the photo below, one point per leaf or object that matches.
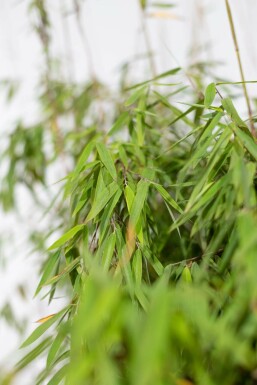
(41, 329)
(44, 319)
(164, 15)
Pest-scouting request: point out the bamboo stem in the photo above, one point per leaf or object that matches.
(85, 41)
(247, 99)
(147, 41)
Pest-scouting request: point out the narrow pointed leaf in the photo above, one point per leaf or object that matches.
(120, 122)
(40, 330)
(166, 196)
(64, 272)
(138, 202)
(209, 96)
(106, 159)
(83, 158)
(101, 200)
(66, 237)
(48, 270)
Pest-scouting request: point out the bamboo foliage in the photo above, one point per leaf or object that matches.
(157, 243)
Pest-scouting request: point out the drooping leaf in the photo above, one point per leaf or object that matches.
(106, 159)
(83, 158)
(108, 252)
(107, 213)
(248, 142)
(70, 267)
(33, 354)
(40, 330)
(166, 196)
(186, 275)
(48, 270)
(55, 347)
(230, 108)
(120, 122)
(135, 96)
(59, 376)
(137, 267)
(139, 200)
(101, 200)
(66, 237)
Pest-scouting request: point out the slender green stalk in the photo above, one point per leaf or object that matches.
(147, 40)
(92, 72)
(85, 41)
(247, 99)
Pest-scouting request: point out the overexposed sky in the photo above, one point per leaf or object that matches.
(114, 35)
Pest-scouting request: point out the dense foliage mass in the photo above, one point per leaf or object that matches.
(157, 232)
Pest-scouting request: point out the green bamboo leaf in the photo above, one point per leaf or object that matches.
(140, 122)
(209, 96)
(172, 72)
(209, 127)
(148, 356)
(33, 354)
(48, 269)
(64, 272)
(100, 186)
(129, 196)
(229, 107)
(55, 347)
(40, 330)
(79, 206)
(180, 115)
(101, 200)
(166, 196)
(108, 252)
(59, 376)
(107, 213)
(153, 260)
(66, 237)
(120, 122)
(248, 141)
(137, 267)
(138, 202)
(206, 194)
(163, 5)
(106, 159)
(127, 272)
(83, 158)
(123, 156)
(135, 96)
(186, 275)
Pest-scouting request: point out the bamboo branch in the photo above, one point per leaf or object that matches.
(247, 99)
(147, 40)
